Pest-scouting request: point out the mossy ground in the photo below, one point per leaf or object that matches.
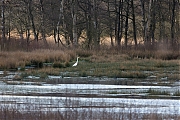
(135, 68)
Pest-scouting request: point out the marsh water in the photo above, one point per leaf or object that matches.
(57, 93)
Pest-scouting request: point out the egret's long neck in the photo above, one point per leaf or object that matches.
(77, 59)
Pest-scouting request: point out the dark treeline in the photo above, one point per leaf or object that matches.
(148, 23)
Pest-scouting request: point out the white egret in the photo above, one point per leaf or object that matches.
(75, 64)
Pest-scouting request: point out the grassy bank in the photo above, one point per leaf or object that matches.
(127, 64)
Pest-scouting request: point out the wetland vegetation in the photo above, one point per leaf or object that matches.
(106, 75)
(129, 65)
(91, 63)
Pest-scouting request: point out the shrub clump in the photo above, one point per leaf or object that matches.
(58, 65)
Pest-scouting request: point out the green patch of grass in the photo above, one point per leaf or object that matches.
(43, 75)
(24, 74)
(104, 69)
(83, 74)
(124, 68)
(133, 74)
(165, 64)
(113, 92)
(177, 93)
(157, 92)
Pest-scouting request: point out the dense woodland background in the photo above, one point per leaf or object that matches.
(147, 24)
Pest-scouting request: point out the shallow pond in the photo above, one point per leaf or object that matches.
(81, 93)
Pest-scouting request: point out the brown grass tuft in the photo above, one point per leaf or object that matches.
(20, 59)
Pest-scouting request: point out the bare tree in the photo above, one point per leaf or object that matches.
(61, 17)
(96, 23)
(91, 19)
(74, 22)
(119, 5)
(42, 21)
(31, 17)
(173, 5)
(3, 37)
(126, 23)
(110, 21)
(134, 23)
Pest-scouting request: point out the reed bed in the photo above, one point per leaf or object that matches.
(14, 59)
(129, 64)
(72, 111)
(17, 59)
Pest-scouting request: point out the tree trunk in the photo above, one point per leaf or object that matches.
(32, 20)
(126, 24)
(74, 20)
(110, 25)
(134, 23)
(27, 38)
(88, 24)
(143, 21)
(42, 23)
(146, 22)
(119, 22)
(3, 41)
(89, 31)
(96, 30)
(153, 22)
(173, 22)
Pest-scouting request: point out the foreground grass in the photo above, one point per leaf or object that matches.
(12, 114)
